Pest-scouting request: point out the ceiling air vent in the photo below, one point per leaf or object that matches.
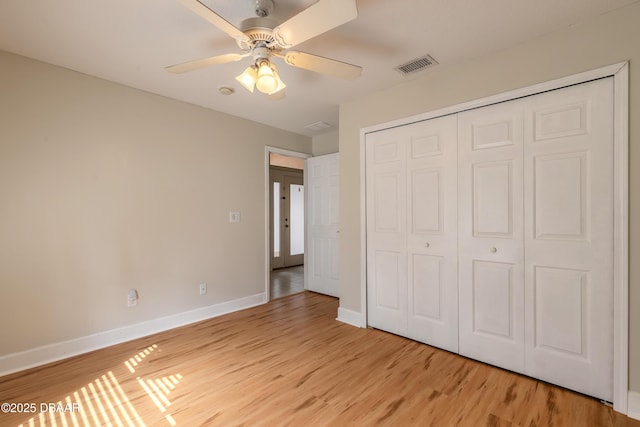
(416, 65)
(318, 126)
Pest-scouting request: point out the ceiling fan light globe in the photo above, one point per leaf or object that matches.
(267, 84)
(248, 79)
(267, 81)
(280, 84)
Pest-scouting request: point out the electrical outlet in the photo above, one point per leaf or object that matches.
(132, 298)
(234, 216)
(203, 288)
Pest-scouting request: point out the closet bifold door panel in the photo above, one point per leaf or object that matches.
(386, 182)
(536, 236)
(411, 180)
(432, 233)
(568, 191)
(491, 253)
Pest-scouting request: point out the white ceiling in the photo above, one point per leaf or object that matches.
(131, 41)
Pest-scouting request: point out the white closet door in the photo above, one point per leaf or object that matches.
(568, 240)
(412, 231)
(323, 225)
(491, 235)
(432, 232)
(386, 231)
(534, 240)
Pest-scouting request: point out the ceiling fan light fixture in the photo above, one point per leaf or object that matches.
(248, 78)
(267, 82)
(280, 85)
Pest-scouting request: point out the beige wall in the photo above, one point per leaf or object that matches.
(105, 188)
(327, 143)
(606, 40)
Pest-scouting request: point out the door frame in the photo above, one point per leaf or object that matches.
(267, 214)
(620, 74)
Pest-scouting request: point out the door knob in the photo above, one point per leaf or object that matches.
(493, 249)
(426, 245)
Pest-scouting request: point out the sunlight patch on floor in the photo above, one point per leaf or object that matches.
(104, 402)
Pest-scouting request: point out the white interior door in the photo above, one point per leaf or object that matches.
(323, 225)
(386, 231)
(411, 231)
(491, 264)
(569, 237)
(432, 232)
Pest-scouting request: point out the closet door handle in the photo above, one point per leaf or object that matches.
(493, 249)
(426, 245)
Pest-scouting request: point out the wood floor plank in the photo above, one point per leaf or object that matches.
(289, 362)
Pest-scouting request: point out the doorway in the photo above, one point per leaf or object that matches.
(287, 217)
(286, 224)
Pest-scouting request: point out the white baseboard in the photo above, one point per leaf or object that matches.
(350, 317)
(633, 405)
(15, 362)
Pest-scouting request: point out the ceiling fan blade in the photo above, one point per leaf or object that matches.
(214, 18)
(206, 62)
(314, 20)
(322, 65)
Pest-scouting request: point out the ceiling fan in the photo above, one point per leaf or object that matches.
(262, 40)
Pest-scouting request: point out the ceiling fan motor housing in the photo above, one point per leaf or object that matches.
(256, 31)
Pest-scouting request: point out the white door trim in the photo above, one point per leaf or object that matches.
(620, 74)
(621, 239)
(267, 213)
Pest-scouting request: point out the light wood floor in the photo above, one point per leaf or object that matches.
(289, 362)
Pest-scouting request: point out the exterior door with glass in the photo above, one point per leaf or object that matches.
(293, 221)
(287, 218)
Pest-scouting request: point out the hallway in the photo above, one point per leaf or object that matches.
(287, 281)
